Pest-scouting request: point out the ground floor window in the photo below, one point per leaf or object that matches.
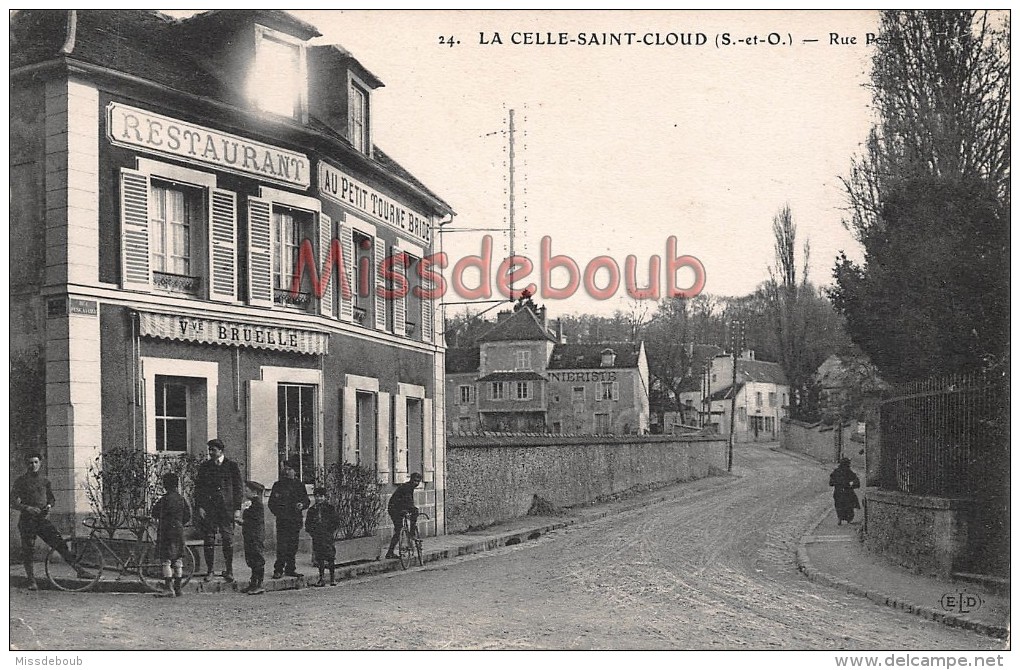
(296, 428)
(601, 424)
(172, 428)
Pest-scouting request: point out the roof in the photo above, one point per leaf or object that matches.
(724, 393)
(148, 44)
(521, 326)
(462, 359)
(513, 376)
(586, 356)
(760, 371)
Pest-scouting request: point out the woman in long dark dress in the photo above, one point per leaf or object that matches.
(844, 481)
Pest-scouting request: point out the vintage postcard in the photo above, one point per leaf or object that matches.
(437, 330)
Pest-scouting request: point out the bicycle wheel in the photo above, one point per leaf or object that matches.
(406, 548)
(417, 551)
(84, 571)
(150, 569)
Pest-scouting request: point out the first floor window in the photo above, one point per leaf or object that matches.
(523, 390)
(290, 228)
(772, 399)
(498, 391)
(176, 215)
(609, 390)
(523, 360)
(757, 399)
(465, 395)
(171, 415)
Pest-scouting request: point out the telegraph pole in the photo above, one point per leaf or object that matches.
(736, 342)
(511, 202)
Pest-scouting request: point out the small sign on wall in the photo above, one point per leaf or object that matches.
(57, 307)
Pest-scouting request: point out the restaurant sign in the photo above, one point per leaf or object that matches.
(130, 126)
(232, 333)
(345, 189)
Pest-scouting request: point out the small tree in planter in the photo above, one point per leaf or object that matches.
(116, 487)
(353, 491)
(122, 484)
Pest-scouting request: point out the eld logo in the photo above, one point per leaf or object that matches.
(961, 602)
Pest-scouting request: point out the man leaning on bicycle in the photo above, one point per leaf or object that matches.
(402, 501)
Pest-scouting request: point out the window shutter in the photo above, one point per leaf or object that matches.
(260, 252)
(325, 240)
(379, 248)
(399, 438)
(222, 245)
(350, 418)
(399, 310)
(382, 432)
(347, 301)
(616, 390)
(428, 466)
(426, 310)
(135, 267)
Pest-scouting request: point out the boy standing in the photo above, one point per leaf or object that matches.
(171, 513)
(253, 530)
(321, 523)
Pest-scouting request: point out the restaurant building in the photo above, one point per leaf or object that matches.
(165, 175)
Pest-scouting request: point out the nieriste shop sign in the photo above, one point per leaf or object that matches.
(130, 126)
(346, 190)
(232, 333)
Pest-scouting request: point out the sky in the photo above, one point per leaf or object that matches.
(619, 147)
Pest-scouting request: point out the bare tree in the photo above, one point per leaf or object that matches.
(941, 87)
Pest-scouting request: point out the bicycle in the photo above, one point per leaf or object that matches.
(90, 556)
(410, 543)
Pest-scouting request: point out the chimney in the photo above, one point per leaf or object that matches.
(559, 332)
(503, 315)
(541, 316)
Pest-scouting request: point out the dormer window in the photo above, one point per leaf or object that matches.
(278, 82)
(357, 116)
(608, 358)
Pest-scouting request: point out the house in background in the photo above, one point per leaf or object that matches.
(523, 377)
(762, 397)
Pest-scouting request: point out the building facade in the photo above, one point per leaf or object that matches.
(521, 377)
(762, 398)
(170, 178)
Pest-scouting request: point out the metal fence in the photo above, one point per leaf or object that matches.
(949, 437)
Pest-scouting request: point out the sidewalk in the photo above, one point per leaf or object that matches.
(435, 548)
(834, 556)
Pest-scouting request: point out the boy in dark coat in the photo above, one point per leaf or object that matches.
(287, 502)
(171, 513)
(321, 523)
(253, 530)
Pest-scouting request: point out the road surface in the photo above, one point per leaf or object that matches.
(714, 570)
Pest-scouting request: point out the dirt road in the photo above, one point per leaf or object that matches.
(711, 571)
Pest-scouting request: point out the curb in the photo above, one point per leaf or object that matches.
(813, 574)
(486, 543)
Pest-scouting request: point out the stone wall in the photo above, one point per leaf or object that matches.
(493, 478)
(924, 533)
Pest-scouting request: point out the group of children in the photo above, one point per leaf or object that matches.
(172, 513)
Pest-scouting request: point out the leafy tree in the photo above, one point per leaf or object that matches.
(929, 199)
(932, 297)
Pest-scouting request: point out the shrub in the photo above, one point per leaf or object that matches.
(122, 484)
(354, 492)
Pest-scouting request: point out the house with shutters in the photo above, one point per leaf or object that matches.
(521, 376)
(762, 397)
(177, 187)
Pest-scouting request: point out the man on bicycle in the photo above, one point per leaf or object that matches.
(402, 501)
